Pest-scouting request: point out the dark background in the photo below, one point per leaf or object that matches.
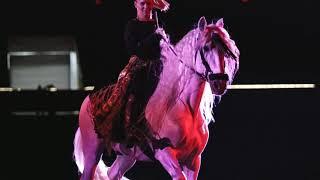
(278, 40)
(258, 134)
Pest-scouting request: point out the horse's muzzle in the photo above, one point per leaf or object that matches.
(218, 87)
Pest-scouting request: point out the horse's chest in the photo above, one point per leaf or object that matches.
(194, 140)
(195, 131)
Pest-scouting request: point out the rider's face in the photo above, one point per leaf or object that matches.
(144, 8)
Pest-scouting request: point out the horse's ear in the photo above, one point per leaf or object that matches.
(220, 23)
(202, 23)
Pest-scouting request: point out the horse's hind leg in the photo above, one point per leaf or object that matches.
(192, 170)
(92, 145)
(92, 157)
(120, 166)
(170, 163)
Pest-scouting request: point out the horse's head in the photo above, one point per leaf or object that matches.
(214, 53)
(207, 51)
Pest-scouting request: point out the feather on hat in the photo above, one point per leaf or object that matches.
(161, 4)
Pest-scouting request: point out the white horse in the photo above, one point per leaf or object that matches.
(196, 71)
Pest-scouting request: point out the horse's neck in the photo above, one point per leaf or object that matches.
(179, 80)
(192, 92)
(179, 87)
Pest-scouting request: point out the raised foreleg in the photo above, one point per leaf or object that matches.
(170, 163)
(192, 170)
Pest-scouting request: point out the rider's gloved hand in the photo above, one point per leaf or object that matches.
(163, 34)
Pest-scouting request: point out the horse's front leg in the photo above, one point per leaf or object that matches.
(170, 163)
(192, 170)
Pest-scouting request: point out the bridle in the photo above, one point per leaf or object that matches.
(208, 75)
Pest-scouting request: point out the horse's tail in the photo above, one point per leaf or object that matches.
(101, 170)
(77, 152)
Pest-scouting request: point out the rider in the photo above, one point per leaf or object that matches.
(119, 108)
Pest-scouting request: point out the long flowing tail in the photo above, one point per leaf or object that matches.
(101, 170)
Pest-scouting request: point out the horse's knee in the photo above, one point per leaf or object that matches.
(191, 169)
(170, 163)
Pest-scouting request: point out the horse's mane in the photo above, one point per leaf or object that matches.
(186, 44)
